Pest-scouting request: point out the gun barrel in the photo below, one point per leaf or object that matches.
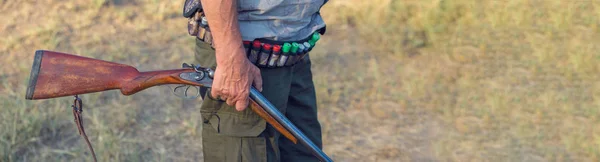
(270, 108)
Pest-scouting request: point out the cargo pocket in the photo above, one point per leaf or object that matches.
(225, 120)
(231, 135)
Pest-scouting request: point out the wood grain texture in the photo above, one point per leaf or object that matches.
(63, 74)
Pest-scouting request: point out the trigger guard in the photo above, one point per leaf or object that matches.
(197, 92)
(184, 94)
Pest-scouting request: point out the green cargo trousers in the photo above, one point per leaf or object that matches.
(229, 135)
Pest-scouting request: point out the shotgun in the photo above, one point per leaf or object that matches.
(56, 74)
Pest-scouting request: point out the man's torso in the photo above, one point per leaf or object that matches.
(281, 20)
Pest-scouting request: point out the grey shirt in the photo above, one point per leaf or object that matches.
(280, 20)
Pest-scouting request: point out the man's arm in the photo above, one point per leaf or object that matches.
(235, 73)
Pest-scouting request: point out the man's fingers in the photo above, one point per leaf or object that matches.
(218, 95)
(241, 104)
(214, 94)
(230, 101)
(258, 82)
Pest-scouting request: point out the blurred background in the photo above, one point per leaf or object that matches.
(397, 80)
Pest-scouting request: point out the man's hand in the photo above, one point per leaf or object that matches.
(234, 73)
(233, 78)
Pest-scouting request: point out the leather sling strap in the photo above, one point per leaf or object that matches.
(77, 110)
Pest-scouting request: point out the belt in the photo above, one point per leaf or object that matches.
(261, 52)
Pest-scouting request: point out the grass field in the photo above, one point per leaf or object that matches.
(431, 80)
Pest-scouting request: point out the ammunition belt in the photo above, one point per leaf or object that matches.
(261, 52)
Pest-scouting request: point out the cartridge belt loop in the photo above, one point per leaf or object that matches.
(266, 53)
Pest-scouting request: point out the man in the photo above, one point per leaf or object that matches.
(230, 131)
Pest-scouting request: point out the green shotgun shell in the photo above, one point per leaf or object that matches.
(295, 47)
(284, 56)
(286, 47)
(313, 40)
(312, 43)
(315, 37)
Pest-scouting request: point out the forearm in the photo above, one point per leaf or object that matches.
(234, 73)
(223, 22)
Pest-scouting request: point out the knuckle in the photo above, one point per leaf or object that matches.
(215, 91)
(224, 93)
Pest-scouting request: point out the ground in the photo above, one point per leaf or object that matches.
(427, 80)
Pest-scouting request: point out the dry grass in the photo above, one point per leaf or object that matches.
(428, 80)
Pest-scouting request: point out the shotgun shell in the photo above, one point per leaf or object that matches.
(254, 51)
(301, 51)
(294, 48)
(275, 55)
(313, 40)
(284, 56)
(307, 46)
(293, 54)
(315, 37)
(264, 54)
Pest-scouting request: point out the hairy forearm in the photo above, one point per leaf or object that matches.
(223, 22)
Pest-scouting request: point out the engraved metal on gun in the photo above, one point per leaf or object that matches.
(201, 76)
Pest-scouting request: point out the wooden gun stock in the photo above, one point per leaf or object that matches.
(55, 74)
